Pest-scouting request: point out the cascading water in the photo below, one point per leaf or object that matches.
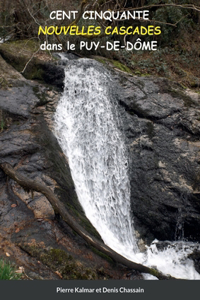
(87, 128)
(88, 134)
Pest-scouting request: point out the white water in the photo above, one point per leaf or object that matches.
(3, 40)
(86, 126)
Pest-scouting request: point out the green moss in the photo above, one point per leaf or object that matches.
(55, 256)
(154, 272)
(4, 84)
(21, 55)
(61, 262)
(103, 255)
(183, 86)
(85, 223)
(66, 265)
(33, 250)
(145, 75)
(30, 45)
(17, 53)
(114, 63)
(37, 74)
(121, 66)
(137, 73)
(101, 60)
(73, 209)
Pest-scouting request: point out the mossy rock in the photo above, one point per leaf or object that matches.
(62, 263)
(27, 58)
(103, 255)
(188, 101)
(113, 64)
(18, 53)
(101, 60)
(121, 66)
(8, 75)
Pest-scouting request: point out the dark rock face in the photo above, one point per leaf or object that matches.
(52, 74)
(195, 256)
(31, 234)
(162, 128)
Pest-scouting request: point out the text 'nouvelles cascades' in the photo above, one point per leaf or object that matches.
(87, 128)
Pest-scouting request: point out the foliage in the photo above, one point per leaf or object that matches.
(58, 259)
(178, 44)
(7, 271)
(62, 263)
(16, 15)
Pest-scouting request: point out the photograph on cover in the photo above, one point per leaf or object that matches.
(99, 141)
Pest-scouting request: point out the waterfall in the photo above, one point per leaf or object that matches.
(87, 128)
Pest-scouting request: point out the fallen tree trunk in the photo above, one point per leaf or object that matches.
(34, 185)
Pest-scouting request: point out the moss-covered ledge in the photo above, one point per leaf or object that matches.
(113, 64)
(27, 58)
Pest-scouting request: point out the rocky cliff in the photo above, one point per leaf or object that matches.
(162, 128)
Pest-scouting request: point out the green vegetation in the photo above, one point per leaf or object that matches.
(62, 263)
(121, 66)
(7, 271)
(170, 63)
(59, 260)
(177, 57)
(103, 255)
(4, 83)
(23, 56)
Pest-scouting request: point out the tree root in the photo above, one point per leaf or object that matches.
(59, 208)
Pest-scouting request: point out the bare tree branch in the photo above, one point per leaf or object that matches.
(29, 60)
(185, 6)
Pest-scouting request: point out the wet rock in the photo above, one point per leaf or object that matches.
(18, 100)
(195, 256)
(30, 230)
(38, 203)
(162, 129)
(53, 74)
